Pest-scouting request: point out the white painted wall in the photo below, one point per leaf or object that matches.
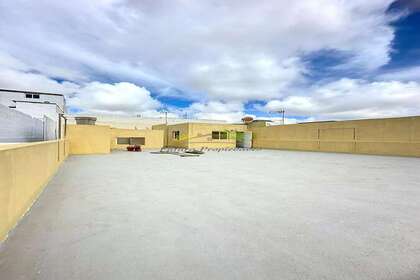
(39, 110)
(18, 127)
(45, 105)
(7, 97)
(50, 129)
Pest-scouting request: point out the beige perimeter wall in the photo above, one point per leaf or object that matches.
(396, 136)
(24, 172)
(101, 139)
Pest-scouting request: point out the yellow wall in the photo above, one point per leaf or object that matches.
(396, 136)
(153, 138)
(100, 139)
(24, 171)
(200, 135)
(197, 135)
(89, 139)
(183, 137)
(163, 128)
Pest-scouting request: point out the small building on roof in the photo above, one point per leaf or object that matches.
(205, 135)
(259, 123)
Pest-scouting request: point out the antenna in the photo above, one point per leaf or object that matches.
(282, 111)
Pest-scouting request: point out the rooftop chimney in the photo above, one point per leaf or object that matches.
(85, 120)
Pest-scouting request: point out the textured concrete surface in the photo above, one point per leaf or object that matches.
(230, 215)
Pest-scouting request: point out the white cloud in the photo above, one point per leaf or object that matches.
(353, 99)
(221, 54)
(21, 80)
(254, 78)
(90, 97)
(120, 97)
(404, 74)
(224, 50)
(216, 110)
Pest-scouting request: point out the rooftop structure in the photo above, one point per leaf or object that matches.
(34, 103)
(203, 135)
(85, 120)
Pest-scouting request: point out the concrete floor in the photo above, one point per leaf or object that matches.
(228, 215)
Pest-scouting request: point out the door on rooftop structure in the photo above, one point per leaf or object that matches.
(243, 139)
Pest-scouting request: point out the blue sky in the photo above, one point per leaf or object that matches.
(406, 44)
(316, 59)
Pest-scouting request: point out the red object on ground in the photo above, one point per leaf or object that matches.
(135, 148)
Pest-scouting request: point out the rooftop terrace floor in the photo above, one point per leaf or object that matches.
(228, 215)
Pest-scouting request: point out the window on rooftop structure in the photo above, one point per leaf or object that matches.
(175, 135)
(215, 135)
(123, 141)
(28, 95)
(35, 96)
(223, 135)
(137, 141)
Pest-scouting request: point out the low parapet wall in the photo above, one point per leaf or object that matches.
(101, 139)
(394, 136)
(89, 139)
(25, 169)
